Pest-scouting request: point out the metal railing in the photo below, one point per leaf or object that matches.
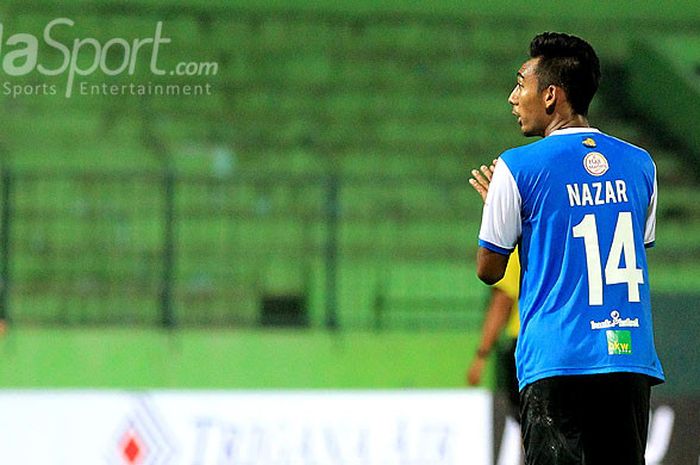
(168, 249)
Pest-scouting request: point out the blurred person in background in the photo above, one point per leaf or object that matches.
(581, 207)
(501, 314)
(499, 335)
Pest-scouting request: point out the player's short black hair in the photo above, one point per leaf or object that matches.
(568, 62)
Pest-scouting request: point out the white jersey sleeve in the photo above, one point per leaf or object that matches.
(501, 223)
(650, 229)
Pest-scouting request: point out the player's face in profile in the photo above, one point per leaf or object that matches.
(528, 103)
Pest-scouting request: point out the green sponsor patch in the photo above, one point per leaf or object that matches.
(619, 342)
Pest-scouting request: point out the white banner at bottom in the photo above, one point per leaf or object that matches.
(246, 428)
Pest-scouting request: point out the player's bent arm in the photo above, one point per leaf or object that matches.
(497, 316)
(490, 265)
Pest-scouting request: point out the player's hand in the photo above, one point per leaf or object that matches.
(476, 371)
(481, 179)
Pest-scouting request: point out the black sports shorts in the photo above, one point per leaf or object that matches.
(586, 419)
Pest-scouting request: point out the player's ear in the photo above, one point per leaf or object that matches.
(550, 96)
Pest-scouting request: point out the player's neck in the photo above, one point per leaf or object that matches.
(568, 121)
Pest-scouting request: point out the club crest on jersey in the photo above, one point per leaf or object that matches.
(595, 163)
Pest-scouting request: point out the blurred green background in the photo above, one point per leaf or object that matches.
(307, 222)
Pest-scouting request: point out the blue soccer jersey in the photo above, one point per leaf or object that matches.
(582, 206)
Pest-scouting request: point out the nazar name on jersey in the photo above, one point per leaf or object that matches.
(597, 193)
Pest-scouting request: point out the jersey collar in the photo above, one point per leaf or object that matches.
(578, 130)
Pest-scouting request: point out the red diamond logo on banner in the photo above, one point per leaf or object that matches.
(142, 439)
(132, 448)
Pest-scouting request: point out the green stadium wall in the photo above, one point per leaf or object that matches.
(226, 359)
(126, 358)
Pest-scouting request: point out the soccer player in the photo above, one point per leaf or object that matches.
(501, 316)
(581, 206)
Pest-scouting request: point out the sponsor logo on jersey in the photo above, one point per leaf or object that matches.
(615, 322)
(595, 163)
(589, 142)
(619, 342)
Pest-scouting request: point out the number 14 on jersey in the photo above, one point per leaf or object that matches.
(623, 243)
